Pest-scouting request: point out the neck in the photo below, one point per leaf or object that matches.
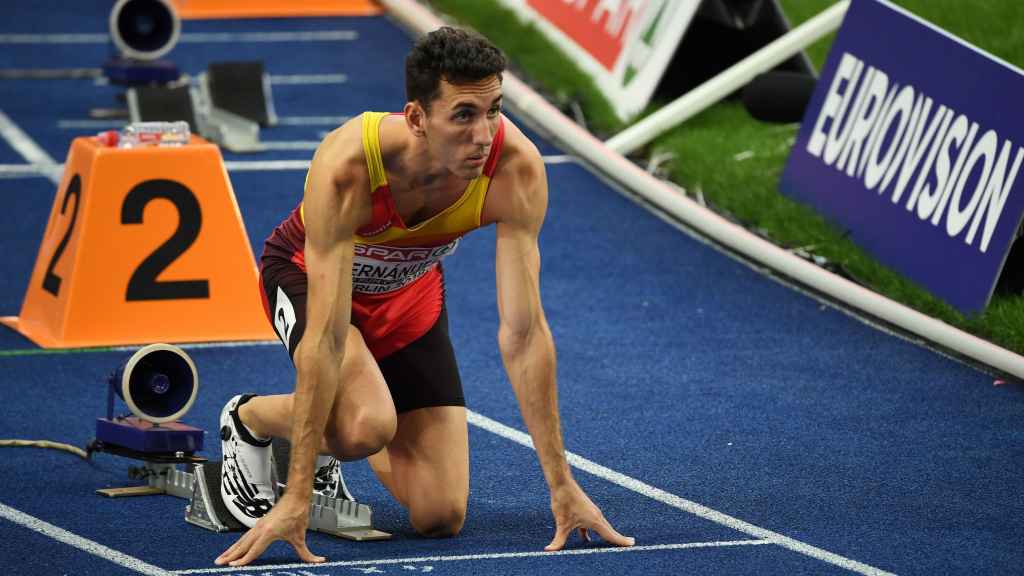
(418, 169)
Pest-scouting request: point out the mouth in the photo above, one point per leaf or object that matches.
(476, 160)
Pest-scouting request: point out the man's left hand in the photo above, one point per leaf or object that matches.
(574, 510)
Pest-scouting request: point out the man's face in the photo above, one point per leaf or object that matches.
(462, 123)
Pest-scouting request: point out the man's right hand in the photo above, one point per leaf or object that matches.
(287, 521)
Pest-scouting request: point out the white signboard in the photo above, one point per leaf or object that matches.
(625, 45)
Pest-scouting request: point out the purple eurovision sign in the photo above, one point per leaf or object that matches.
(912, 143)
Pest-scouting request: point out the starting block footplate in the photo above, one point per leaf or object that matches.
(338, 517)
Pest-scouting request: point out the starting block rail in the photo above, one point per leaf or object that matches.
(335, 516)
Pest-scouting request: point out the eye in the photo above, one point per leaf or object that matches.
(462, 115)
(494, 111)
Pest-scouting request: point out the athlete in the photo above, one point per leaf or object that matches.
(353, 284)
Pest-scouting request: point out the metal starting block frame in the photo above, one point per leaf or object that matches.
(342, 518)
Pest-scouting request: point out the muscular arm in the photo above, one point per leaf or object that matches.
(331, 210)
(525, 339)
(527, 348)
(330, 218)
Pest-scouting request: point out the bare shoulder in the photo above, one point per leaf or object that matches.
(519, 186)
(519, 157)
(340, 156)
(335, 202)
(338, 179)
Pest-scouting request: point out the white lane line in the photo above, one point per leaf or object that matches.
(681, 503)
(36, 170)
(310, 36)
(83, 544)
(21, 171)
(494, 556)
(312, 120)
(54, 38)
(276, 79)
(291, 145)
(190, 37)
(28, 149)
(258, 165)
(96, 124)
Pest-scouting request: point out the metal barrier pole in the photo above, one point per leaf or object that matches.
(729, 80)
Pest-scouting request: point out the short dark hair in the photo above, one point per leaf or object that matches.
(451, 54)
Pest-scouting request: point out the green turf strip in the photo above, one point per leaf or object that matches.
(183, 346)
(736, 162)
(44, 351)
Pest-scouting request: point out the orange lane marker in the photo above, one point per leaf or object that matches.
(143, 245)
(201, 9)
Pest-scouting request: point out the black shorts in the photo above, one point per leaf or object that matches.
(422, 374)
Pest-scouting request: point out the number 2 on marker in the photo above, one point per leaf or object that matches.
(143, 284)
(51, 282)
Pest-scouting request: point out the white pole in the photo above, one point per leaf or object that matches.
(728, 81)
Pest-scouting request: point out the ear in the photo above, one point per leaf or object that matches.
(416, 119)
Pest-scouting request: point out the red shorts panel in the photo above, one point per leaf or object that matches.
(387, 322)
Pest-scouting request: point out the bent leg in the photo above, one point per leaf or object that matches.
(362, 419)
(426, 468)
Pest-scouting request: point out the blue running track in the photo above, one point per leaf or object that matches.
(732, 424)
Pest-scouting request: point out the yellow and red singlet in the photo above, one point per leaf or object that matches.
(397, 284)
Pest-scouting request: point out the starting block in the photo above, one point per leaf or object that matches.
(201, 487)
(343, 518)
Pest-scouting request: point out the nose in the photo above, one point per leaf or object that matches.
(482, 134)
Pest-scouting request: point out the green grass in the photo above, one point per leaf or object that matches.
(705, 148)
(537, 58)
(993, 25)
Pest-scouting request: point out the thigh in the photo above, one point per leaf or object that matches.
(363, 413)
(429, 459)
(284, 298)
(363, 397)
(284, 286)
(429, 456)
(362, 418)
(424, 373)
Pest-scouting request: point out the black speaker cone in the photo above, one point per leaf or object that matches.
(161, 383)
(144, 29)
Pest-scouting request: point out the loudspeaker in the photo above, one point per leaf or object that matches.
(158, 383)
(144, 29)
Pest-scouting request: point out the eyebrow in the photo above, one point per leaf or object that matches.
(468, 104)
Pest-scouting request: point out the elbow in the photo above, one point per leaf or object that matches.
(305, 366)
(514, 338)
(312, 354)
(511, 340)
